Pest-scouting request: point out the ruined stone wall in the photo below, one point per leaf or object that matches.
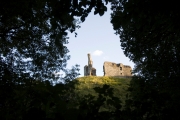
(89, 69)
(113, 69)
(93, 71)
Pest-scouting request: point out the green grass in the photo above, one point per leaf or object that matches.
(85, 85)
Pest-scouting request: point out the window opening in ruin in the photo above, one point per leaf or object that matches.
(121, 73)
(120, 68)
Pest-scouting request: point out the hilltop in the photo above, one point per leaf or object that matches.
(84, 85)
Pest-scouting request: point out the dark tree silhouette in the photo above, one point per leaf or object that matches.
(33, 34)
(149, 33)
(38, 29)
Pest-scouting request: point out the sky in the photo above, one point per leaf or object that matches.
(97, 37)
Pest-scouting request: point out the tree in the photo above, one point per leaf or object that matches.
(32, 38)
(37, 30)
(34, 30)
(149, 34)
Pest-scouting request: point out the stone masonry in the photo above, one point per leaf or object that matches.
(88, 69)
(117, 70)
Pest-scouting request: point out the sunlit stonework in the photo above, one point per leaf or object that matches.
(88, 69)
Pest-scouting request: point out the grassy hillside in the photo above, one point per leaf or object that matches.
(85, 85)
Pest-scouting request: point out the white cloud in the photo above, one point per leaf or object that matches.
(97, 53)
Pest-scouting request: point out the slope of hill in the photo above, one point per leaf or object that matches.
(84, 85)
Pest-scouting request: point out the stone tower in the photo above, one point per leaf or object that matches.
(88, 69)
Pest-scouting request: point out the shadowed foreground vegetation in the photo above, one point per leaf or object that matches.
(83, 98)
(37, 30)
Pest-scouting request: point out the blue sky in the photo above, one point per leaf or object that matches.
(96, 36)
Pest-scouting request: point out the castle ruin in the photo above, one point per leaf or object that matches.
(109, 68)
(88, 69)
(117, 70)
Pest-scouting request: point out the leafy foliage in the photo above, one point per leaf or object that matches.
(37, 30)
(84, 86)
(149, 35)
(33, 34)
(40, 99)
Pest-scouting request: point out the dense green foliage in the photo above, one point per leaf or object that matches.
(37, 30)
(84, 86)
(33, 34)
(79, 99)
(149, 33)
